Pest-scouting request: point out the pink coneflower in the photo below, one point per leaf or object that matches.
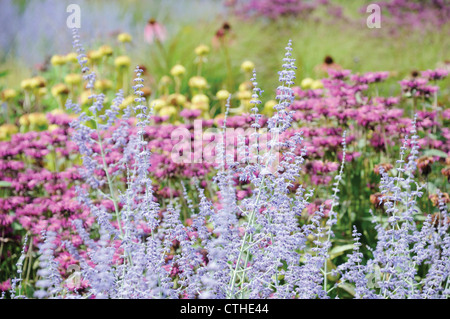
(446, 172)
(154, 31)
(377, 200)
(424, 164)
(221, 34)
(435, 75)
(435, 198)
(386, 168)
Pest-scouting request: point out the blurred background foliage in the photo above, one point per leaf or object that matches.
(35, 30)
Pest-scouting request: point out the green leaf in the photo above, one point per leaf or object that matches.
(418, 210)
(279, 277)
(432, 189)
(433, 136)
(5, 184)
(435, 152)
(17, 226)
(3, 73)
(348, 288)
(339, 250)
(362, 143)
(331, 266)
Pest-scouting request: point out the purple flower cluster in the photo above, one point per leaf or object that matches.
(276, 9)
(397, 15)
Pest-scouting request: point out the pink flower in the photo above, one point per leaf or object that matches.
(65, 260)
(6, 285)
(192, 235)
(73, 285)
(6, 220)
(446, 114)
(76, 240)
(332, 166)
(241, 194)
(434, 75)
(154, 31)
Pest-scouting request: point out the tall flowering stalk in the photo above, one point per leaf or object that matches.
(332, 220)
(17, 282)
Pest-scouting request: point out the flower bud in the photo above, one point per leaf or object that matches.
(106, 50)
(158, 104)
(198, 82)
(58, 60)
(177, 99)
(8, 129)
(122, 61)
(317, 84)
(306, 83)
(42, 91)
(178, 70)
(244, 95)
(103, 85)
(202, 50)
(124, 37)
(222, 95)
(73, 79)
(37, 82)
(168, 111)
(95, 56)
(37, 119)
(126, 101)
(246, 86)
(247, 66)
(23, 120)
(200, 102)
(60, 89)
(26, 84)
(8, 94)
(269, 107)
(71, 57)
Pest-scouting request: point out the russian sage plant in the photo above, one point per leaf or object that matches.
(249, 248)
(407, 262)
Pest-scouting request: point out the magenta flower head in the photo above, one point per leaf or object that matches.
(190, 114)
(435, 75)
(154, 31)
(338, 74)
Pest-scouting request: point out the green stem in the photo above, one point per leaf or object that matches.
(244, 241)
(386, 144)
(30, 257)
(163, 53)
(229, 68)
(2, 244)
(199, 68)
(177, 84)
(108, 177)
(27, 102)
